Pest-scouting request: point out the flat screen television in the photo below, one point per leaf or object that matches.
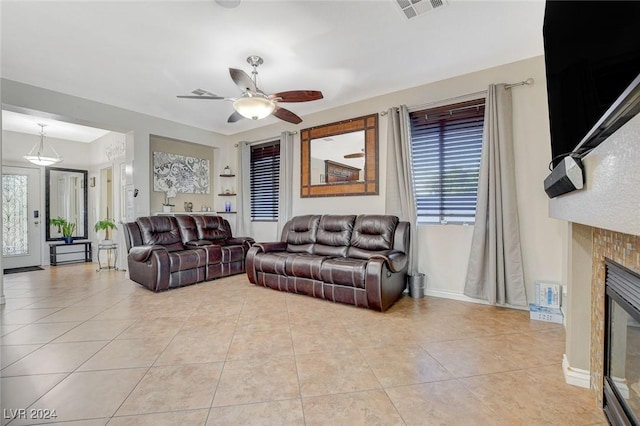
(592, 60)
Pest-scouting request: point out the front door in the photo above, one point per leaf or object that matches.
(21, 217)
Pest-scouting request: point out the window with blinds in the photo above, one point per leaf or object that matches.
(265, 181)
(446, 144)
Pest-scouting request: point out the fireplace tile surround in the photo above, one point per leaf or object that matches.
(622, 249)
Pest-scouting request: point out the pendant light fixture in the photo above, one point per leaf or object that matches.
(39, 156)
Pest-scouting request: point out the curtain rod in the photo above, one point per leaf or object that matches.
(526, 82)
(237, 144)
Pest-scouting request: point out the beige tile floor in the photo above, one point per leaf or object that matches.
(99, 349)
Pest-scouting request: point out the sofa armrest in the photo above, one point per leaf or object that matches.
(396, 260)
(143, 253)
(245, 242)
(271, 247)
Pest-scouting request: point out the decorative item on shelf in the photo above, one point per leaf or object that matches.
(188, 206)
(67, 231)
(40, 155)
(166, 206)
(227, 206)
(227, 170)
(227, 191)
(105, 225)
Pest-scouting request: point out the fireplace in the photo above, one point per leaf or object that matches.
(621, 399)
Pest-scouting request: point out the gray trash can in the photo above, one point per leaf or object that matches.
(416, 285)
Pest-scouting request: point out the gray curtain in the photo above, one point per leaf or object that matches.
(285, 200)
(243, 200)
(399, 195)
(495, 269)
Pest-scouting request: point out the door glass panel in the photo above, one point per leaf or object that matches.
(14, 214)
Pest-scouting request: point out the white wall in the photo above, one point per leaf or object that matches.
(444, 250)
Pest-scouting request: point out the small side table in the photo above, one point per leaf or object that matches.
(61, 249)
(111, 250)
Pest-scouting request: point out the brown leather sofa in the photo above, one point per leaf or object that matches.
(173, 251)
(359, 260)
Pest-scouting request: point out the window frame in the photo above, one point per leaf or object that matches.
(447, 140)
(274, 191)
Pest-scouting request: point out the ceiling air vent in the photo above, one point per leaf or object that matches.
(412, 8)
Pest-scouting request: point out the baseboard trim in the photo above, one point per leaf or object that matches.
(575, 376)
(446, 294)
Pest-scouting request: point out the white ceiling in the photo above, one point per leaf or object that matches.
(140, 55)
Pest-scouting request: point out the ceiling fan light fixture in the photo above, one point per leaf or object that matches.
(229, 4)
(254, 107)
(40, 155)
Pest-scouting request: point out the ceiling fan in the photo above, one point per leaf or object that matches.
(355, 154)
(254, 104)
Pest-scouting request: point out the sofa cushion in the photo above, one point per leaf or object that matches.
(344, 271)
(372, 233)
(300, 233)
(212, 228)
(188, 228)
(162, 231)
(187, 259)
(304, 265)
(334, 234)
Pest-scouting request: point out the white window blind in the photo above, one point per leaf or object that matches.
(446, 144)
(265, 181)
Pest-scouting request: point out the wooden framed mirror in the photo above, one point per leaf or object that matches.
(340, 159)
(66, 197)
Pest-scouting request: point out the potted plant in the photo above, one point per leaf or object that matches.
(105, 225)
(166, 206)
(57, 222)
(68, 229)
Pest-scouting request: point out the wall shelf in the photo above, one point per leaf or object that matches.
(227, 195)
(226, 212)
(227, 175)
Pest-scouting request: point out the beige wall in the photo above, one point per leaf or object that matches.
(172, 146)
(578, 303)
(444, 250)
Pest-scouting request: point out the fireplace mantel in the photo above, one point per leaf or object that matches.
(611, 196)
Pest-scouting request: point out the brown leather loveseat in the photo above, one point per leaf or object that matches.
(173, 251)
(359, 260)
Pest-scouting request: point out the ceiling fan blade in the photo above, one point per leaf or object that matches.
(355, 155)
(298, 96)
(242, 80)
(234, 117)
(200, 97)
(286, 115)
